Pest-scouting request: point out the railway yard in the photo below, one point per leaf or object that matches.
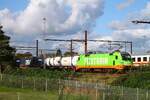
(74, 76)
(62, 50)
(77, 76)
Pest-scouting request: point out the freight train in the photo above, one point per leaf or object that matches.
(29, 62)
(116, 60)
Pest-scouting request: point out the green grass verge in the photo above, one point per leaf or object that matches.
(38, 72)
(25, 94)
(134, 80)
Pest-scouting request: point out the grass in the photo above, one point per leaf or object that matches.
(62, 74)
(97, 77)
(134, 80)
(25, 94)
(38, 72)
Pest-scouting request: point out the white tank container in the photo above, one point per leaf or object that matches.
(47, 61)
(74, 60)
(52, 61)
(66, 61)
(57, 61)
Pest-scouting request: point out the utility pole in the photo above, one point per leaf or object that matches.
(37, 48)
(85, 42)
(71, 48)
(131, 47)
(71, 53)
(125, 46)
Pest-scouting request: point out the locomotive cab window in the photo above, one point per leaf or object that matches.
(133, 59)
(144, 58)
(125, 56)
(111, 54)
(139, 59)
(78, 58)
(116, 57)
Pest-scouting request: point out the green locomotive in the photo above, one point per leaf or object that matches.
(115, 60)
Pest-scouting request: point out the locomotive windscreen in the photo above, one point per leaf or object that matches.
(125, 56)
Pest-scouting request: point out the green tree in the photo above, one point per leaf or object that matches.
(68, 53)
(23, 55)
(6, 51)
(58, 53)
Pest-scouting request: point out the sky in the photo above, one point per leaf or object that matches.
(67, 19)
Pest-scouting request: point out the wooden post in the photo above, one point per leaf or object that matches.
(1, 76)
(33, 84)
(137, 94)
(46, 85)
(103, 95)
(59, 87)
(18, 96)
(147, 95)
(122, 93)
(22, 83)
(96, 92)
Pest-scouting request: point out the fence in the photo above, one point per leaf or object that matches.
(69, 89)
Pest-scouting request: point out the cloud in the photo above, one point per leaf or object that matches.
(139, 34)
(125, 30)
(125, 4)
(65, 19)
(62, 17)
(145, 13)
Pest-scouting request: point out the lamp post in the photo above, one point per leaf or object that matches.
(44, 27)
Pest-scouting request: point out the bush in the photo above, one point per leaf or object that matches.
(134, 80)
(29, 72)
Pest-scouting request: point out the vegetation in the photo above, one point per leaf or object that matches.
(25, 94)
(58, 53)
(68, 53)
(28, 94)
(25, 55)
(37, 72)
(6, 52)
(139, 78)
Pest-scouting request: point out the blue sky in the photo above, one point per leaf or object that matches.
(112, 13)
(13, 5)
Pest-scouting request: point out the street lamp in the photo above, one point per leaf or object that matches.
(44, 27)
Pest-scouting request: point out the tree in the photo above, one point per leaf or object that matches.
(6, 51)
(58, 53)
(68, 53)
(23, 55)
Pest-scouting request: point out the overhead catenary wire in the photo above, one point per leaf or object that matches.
(80, 40)
(108, 41)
